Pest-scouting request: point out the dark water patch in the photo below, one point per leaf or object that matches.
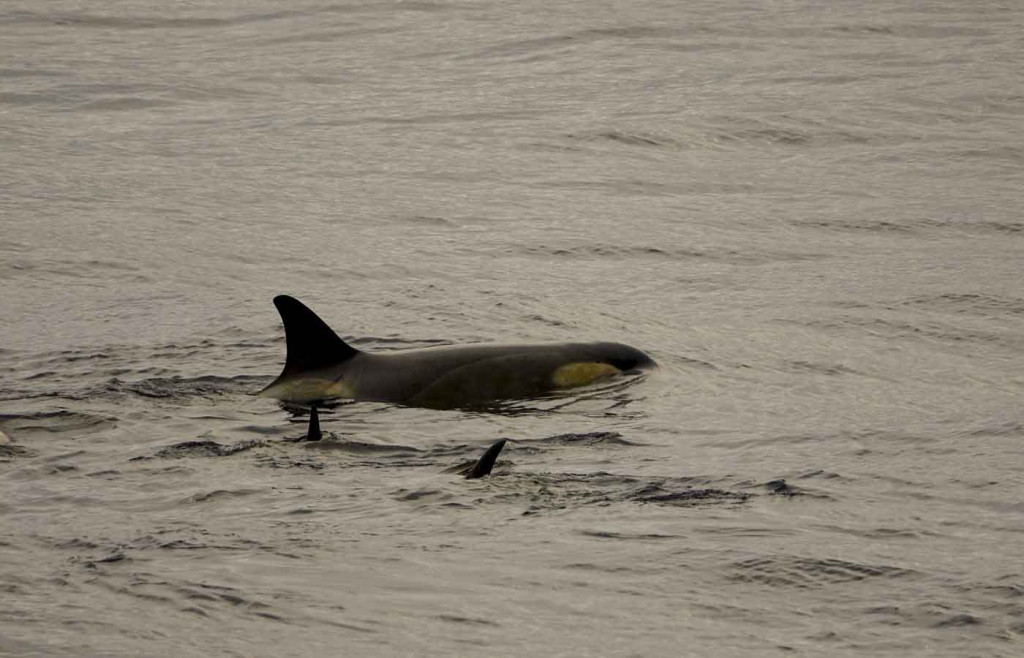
(961, 619)
(632, 536)
(58, 421)
(219, 494)
(549, 45)
(932, 615)
(117, 556)
(202, 599)
(10, 451)
(39, 375)
(202, 448)
(123, 104)
(627, 138)
(584, 439)
(429, 220)
(981, 304)
(1015, 228)
(780, 487)
(360, 447)
(122, 22)
(545, 492)
(183, 388)
(778, 136)
(56, 469)
(693, 497)
(805, 572)
(811, 368)
(274, 461)
(326, 36)
(923, 331)
(859, 225)
(820, 473)
(192, 539)
(456, 619)
(76, 543)
(1007, 428)
(661, 252)
(30, 73)
(426, 119)
(421, 495)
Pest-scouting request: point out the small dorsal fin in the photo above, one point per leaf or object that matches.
(314, 433)
(486, 463)
(312, 345)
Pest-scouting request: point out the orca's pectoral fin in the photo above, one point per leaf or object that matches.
(486, 463)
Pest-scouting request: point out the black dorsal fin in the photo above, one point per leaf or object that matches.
(312, 345)
(314, 433)
(486, 463)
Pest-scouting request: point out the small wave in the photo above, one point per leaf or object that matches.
(805, 572)
(830, 369)
(219, 494)
(274, 461)
(585, 438)
(1007, 428)
(859, 225)
(926, 615)
(202, 448)
(60, 420)
(138, 22)
(626, 138)
(206, 386)
(10, 451)
(533, 48)
(456, 619)
(983, 304)
(122, 104)
(691, 497)
(921, 331)
(780, 487)
(630, 536)
(548, 492)
(360, 447)
(648, 252)
(999, 227)
(424, 495)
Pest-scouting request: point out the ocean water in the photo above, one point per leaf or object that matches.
(809, 213)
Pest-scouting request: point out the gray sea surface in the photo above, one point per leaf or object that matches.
(809, 212)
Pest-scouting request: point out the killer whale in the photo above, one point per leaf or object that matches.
(319, 366)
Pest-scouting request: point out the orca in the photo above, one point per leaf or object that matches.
(320, 366)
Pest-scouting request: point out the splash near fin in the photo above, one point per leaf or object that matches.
(486, 463)
(314, 433)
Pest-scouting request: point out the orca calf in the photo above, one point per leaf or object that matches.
(321, 366)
